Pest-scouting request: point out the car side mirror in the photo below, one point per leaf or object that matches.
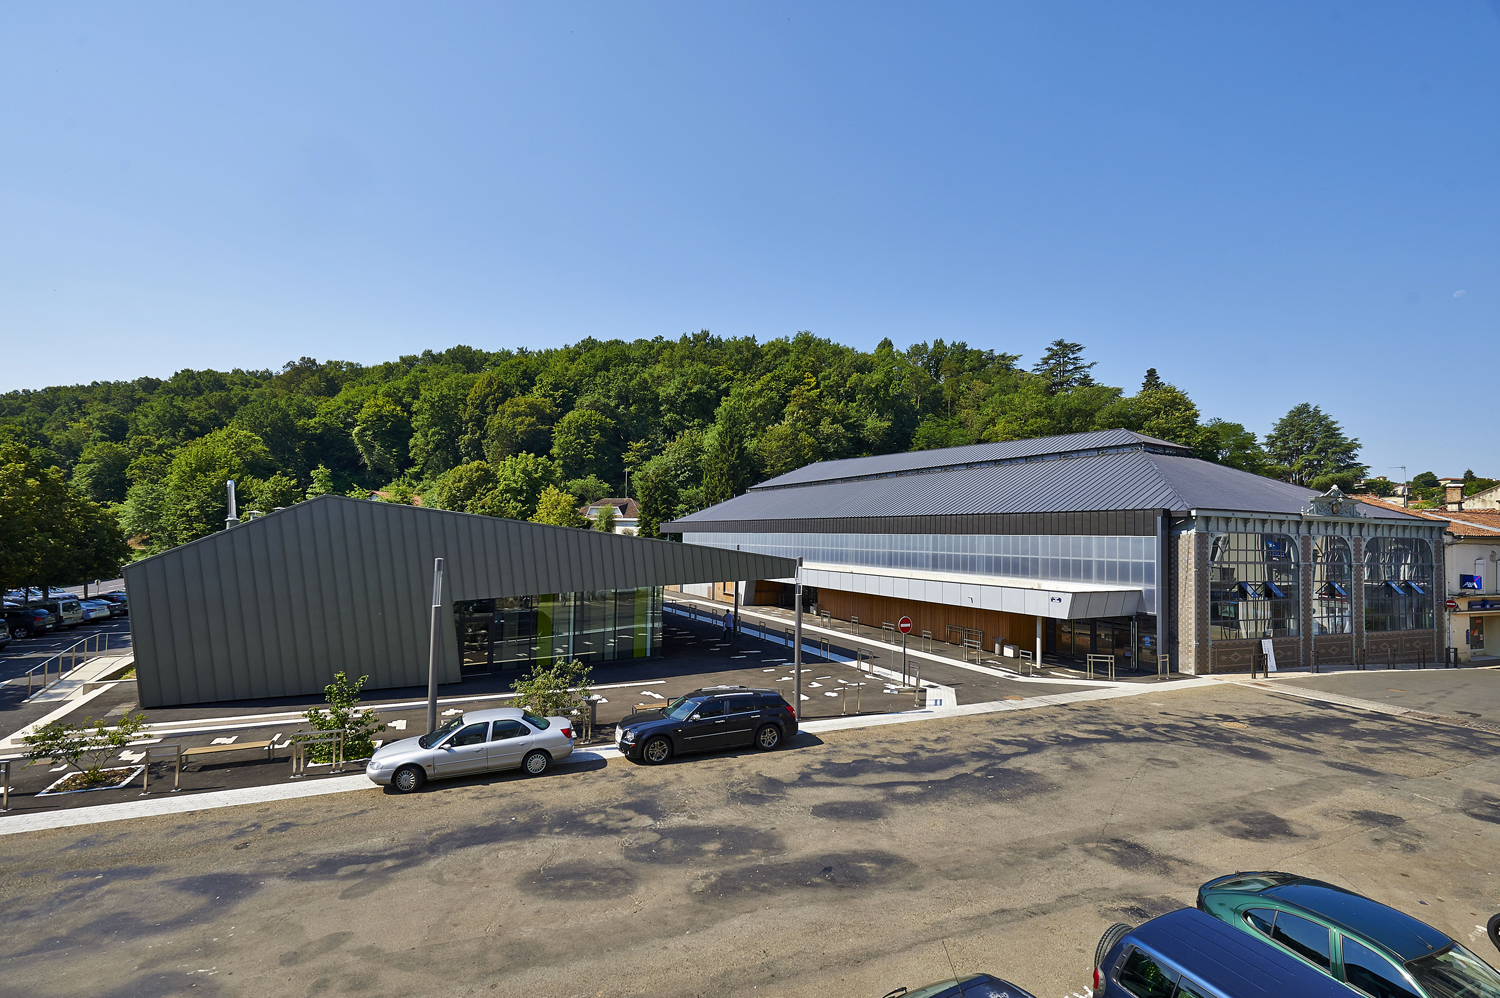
(695, 717)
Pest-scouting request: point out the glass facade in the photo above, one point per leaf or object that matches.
(1125, 561)
(596, 626)
(1252, 586)
(1333, 582)
(1398, 584)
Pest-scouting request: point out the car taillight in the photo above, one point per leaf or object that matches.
(1098, 980)
(567, 732)
(789, 709)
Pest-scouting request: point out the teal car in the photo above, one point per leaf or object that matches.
(1373, 949)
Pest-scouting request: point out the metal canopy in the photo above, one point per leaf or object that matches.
(276, 606)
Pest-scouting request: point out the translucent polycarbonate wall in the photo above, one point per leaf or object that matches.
(1125, 561)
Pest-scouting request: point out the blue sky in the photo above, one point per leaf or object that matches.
(1269, 202)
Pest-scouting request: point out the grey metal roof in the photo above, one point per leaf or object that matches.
(277, 605)
(1128, 480)
(953, 458)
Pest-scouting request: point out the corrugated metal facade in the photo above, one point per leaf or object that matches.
(279, 604)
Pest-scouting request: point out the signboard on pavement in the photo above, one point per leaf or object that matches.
(904, 625)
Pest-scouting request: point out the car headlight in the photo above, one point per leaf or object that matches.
(629, 735)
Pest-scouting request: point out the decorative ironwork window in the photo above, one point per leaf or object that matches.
(1398, 584)
(1253, 586)
(1333, 578)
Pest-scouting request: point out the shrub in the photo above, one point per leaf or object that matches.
(84, 749)
(557, 690)
(359, 726)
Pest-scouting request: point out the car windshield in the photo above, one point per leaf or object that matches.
(443, 731)
(1455, 973)
(539, 723)
(681, 707)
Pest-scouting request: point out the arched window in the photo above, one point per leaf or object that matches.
(1398, 584)
(1333, 585)
(1253, 586)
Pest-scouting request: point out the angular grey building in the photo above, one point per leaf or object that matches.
(1109, 542)
(277, 605)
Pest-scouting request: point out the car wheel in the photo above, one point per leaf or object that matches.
(407, 779)
(1493, 930)
(1112, 935)
(18, 632)
(768, 737)
(536, 763)
(656, 750)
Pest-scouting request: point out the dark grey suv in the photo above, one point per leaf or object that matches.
(715, 717)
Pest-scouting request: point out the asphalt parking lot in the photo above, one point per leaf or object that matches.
(841, 864)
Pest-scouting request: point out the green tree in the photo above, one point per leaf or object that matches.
(437, 425)
(267, 494)
(1307, 444)
(1062, 367)
(1381, 486)
(101, 472)
(604, 520)
(195, 501)
(1230, 444)
(382, 436)
(80, 748)
(343, 714)
(519, 484)
(558, 508)
(589, 489)
(559, 689)
(583, 444)
(1152, 380)
(460, 488)
(49, 534)
(322, 482)
(520, 425)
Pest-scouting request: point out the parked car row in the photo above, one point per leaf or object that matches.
(58, 610)
(716, 717)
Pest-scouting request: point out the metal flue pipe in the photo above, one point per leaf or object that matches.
(436, 645)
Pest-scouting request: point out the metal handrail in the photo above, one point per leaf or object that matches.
(303, 740)
(101, 642)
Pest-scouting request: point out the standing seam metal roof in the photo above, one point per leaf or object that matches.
(972, 455)
(1110, 481)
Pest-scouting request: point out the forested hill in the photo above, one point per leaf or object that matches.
(693, 421)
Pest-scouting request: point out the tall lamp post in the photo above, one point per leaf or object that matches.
(797, 649)
(436, 645)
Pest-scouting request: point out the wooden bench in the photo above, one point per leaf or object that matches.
(268, 745)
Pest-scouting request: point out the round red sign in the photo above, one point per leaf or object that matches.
(904, 625)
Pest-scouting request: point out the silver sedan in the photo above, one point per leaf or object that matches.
(477, 742)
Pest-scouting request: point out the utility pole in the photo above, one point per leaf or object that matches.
(797, 650)
(1405, 486)
(436, 646)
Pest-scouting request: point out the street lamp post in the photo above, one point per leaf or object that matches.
(436, 644)
(797, 649)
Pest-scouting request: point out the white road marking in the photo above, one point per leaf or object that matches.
(225, 741)
(831, 693)
(815, 686)
(768, 670)
(399, 725)
(450, 713)
(130, 756)
(59, 769)
(806, 697)
(652, 693)
(601, 700)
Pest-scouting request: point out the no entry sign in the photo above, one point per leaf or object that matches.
(904, 625)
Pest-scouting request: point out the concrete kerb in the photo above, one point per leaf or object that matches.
(344, 784)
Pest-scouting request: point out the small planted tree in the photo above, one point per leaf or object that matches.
(82, 747)
(343, 714)
(559, 690)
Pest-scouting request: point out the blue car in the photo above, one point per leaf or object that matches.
(1187, 954)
